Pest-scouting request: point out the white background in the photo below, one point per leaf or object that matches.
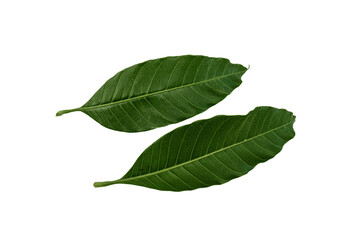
(304, 56)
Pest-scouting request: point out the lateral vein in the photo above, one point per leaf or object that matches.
(155, 93)
(204, 156)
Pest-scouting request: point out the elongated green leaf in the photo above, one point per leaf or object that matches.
(161, 92)
(212, 151)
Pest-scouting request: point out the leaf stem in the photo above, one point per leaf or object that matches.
(104, 184)
(59, 113)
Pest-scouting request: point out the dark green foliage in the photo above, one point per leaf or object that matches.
(163, 91)
(212, 151)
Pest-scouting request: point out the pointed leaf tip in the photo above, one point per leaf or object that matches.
(212, 151)
(162, 91)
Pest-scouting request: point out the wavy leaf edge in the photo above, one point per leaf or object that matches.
(65, 111)
(126, 180)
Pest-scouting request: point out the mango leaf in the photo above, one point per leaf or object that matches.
(163, 91)
(212, 151)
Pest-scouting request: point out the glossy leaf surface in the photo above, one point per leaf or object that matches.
(212, 151)
(163, 91)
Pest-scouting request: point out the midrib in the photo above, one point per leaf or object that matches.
(199, 158)
(155, 93)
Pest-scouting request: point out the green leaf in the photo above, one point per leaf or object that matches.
(212, 151)
(163, 91)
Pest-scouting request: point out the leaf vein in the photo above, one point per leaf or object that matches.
(209, 154)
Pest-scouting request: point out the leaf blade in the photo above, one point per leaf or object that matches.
(163, 91)
(229, 147)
